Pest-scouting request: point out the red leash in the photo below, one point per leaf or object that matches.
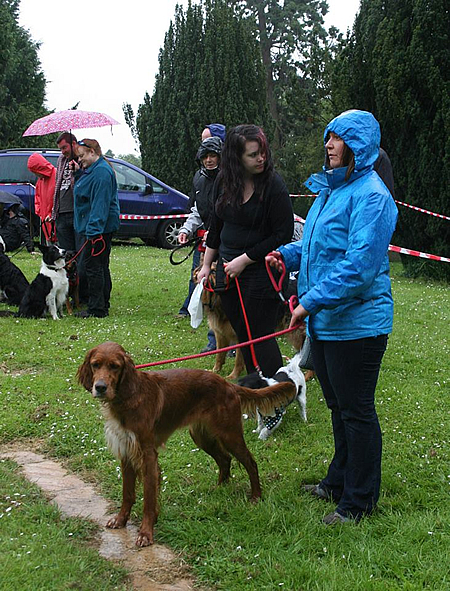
(230, 348)
(78, 253)
(293, 300)
(100, 239)
(247, 326)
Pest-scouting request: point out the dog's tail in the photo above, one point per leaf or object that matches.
(266, 399)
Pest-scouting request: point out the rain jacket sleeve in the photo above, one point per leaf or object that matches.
(372, 222)
(192, 223)
(292, 255)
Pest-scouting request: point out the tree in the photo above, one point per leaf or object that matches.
(131, 158)
(22, 83)
(291, 36)
(210, 70)
(297, 52)
(397, 65)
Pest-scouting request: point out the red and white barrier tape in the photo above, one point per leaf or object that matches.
(127, 216)
(438, 215)
(417, 253)
(15, 184)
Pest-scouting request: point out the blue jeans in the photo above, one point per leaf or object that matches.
(348, 373)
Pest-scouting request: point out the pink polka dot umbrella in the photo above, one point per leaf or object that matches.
(68, 120)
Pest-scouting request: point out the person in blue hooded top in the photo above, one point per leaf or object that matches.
(345, 297)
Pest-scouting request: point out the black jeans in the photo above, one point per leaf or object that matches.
(348, 373)
(98, 277)
(262, 315)
(71, 242)
(68, 239)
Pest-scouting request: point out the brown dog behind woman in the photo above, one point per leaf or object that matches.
(142, 410)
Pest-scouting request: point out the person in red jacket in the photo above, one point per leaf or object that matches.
(43, 196)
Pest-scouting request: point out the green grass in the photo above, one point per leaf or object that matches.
(231, 544)
(41, 551)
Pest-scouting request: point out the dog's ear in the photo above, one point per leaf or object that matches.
(42, 247)
(84, 373)
(128, 377)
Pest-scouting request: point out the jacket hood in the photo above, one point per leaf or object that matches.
(361, 132)
(217, 130)
(37, 164)
(211, 144)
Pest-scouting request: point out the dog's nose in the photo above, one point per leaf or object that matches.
(100, 388)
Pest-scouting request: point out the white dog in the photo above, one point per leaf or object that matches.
(291, 373)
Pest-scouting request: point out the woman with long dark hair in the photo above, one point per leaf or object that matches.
(252, 215)
(345, 296)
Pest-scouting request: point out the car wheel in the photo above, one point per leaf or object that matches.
(168, 233)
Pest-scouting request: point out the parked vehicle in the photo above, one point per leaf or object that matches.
(140, 194)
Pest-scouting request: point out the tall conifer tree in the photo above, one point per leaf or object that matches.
(397, 65)
(210, 70)
(22, 83)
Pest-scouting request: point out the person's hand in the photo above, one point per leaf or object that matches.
(275, 259)
(203, 273)
(182, 238)
(298, 316)
(33, 252)
(74, 166)
(235, 267)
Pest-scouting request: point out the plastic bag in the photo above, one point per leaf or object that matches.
(195, 307)
(305, 360)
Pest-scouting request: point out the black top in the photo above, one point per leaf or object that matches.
(256, 228)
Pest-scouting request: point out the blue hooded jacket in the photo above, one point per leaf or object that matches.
(343, 256)
(96, 201)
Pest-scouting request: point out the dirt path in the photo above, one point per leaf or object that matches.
(155, 568)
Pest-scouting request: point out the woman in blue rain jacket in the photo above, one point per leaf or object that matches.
(345, 297)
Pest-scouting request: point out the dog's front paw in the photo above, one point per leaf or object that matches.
(116, 522)
(144, 539)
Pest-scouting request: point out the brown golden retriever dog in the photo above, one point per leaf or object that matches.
(224, 332)
(142, 409)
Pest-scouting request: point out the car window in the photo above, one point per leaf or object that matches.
(13, 168)
(129, 179)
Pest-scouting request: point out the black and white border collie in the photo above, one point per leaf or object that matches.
(290, 373)
(13, 282)
(48, 291)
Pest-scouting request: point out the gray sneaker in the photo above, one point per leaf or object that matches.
(335, 518)
(317, 491)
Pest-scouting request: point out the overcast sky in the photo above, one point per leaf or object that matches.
(103, 53)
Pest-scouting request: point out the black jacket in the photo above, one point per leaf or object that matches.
(14, 231)
(202, 193)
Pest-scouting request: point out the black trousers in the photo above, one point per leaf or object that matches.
(98, 277)
(348, 373)
(262, 315)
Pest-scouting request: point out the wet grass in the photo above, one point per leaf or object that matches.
(41, 551)
(231, 544)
